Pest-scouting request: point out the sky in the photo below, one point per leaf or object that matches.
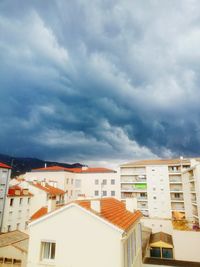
(99, 82)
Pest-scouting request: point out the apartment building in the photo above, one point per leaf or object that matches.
(157, 185)
(17, 209)
(95, 232)
(191, 187)
(85, 181)
(5, 172)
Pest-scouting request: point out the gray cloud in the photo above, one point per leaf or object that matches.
(101, 80)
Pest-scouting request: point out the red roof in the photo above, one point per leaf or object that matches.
(49, 189)
(39, 213)
(17, 191)
(2, 165)
(75, 170)
(112, 210)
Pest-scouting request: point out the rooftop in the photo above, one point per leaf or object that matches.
(156, 162)
(15, 238)
(74, 170)
(2, 165)
(17, 191)
(48, 188)
(112, 210)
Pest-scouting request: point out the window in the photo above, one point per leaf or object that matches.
(72, 181)
(20, 201)
(96, 192)
(48, 250)
(104, 193)
(112, 193)
(11, 202)
(177, 195)
(18, 225)
(29, 199)
(154, 197)
(26, 225)
(9, 228)
(96, 181)
(104, 181)
(67, 180)
(112, 181)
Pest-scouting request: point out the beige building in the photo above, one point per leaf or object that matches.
(90, 182)
(157, 185)
(17, 209)
(191, 185)
(5, 172)
(97, 232)
(13, 249)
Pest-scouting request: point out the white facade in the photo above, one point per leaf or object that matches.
(157, 185)
(17, 212)
(191, 185)
(40, 196)
(90, 184)
(4, 182)
(77, 237)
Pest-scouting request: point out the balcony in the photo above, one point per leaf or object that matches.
(133, 179)
(175, 180)
(176, 188)
(178, 207)
(142, 206)
(133, 171)
(139, 187)
(177, 199)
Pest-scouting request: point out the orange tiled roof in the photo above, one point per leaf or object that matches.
(75, 170)
(49, 189)
(157, 162)
(39, 213)
(2, 165)
(17, 191)
(112, 210)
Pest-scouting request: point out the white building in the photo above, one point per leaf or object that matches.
(157, 185)
(17, 209)
(91, 182)
(191, 186)
(42, 191)
(98, 232)
(5, 172)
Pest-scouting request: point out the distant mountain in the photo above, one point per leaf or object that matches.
(22, 165)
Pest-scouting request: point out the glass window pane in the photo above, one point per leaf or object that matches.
(155, 252)
(167, 253)
(53, 250)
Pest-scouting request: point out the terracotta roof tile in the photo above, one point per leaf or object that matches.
(49, 189)
(112, 210)
(39, 213)
(75, 170)
(2, 165)
(17, 191)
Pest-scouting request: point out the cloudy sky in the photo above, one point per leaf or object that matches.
(99, 81)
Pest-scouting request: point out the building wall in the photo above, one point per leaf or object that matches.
(158, 225)
(65, 180)
(186, 245)
(89, 186)
(16, 214)
(81, 240)
(13, 253)
(158, 191)
(4, 181)
(79, 183)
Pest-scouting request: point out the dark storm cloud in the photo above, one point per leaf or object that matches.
(99, 80)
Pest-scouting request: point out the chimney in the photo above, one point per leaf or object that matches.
(95, 205)
(131, 204)
(51, 205)
(84, 168)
